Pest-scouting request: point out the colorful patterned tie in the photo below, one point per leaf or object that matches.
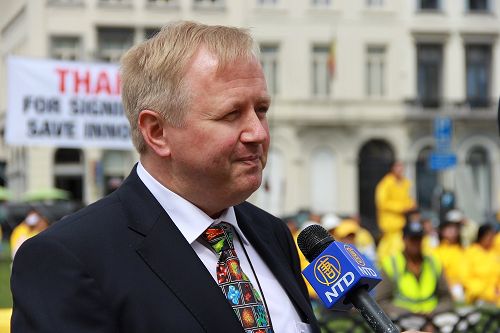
(243, 297)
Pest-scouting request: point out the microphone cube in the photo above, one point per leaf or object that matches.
(337, 270)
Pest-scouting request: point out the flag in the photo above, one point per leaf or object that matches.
(331, 60)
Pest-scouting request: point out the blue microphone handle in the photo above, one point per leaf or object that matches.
(376, 318)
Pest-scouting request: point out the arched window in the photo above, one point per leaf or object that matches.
(271, 195)
(426, 180)
(478, 166)
(323, 181)
(69, 171)
(374, 158)
(67, 156)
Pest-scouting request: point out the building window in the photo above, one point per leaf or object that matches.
(478, 5)
(65, 48)
(375, 71)
(65, 2)
(429, 74)
(69, 171)
(272, 192)
(426, 180)
(321, 3)
(269, 61)
(320, 74)
(267, 2)
(209, 3)
(323, 175)
(478, 72)
(113, 42)
(479, 180)
(115, 2)
(151, 32)
(429, 4)
(163, 2)
(374, 3)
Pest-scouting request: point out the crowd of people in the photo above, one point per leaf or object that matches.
(427, 266)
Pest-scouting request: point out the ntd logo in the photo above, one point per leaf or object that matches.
(339, 268)
(355, 255)
(339, 288)
(327, 270)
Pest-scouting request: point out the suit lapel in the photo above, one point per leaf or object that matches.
(266, 245)
(171, 257)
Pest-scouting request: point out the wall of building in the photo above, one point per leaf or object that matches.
(303, 125)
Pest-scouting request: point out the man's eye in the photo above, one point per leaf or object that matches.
(232, 115)
(262, 111)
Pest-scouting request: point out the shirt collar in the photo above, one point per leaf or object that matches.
(189, 219)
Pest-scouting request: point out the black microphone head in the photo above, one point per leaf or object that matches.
(313, 240)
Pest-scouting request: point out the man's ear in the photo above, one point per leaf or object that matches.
(151, 125)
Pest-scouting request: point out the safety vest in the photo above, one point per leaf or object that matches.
(415, 295)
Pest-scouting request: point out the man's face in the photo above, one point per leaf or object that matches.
(218, 155)
(413, 245)
(398, 169)
(451, 233)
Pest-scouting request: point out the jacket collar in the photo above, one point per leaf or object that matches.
(167, 253)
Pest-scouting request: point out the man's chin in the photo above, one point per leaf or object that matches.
(246, 189)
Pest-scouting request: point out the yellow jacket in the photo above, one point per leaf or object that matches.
(392, 199)
(482, 281)
(452, 258)
(20, 233)
(417, 295)
(496, 244)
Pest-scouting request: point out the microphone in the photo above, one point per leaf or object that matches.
(341, 277)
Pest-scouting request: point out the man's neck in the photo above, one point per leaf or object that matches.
(414, 263)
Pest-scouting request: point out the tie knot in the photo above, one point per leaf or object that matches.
(220, 237)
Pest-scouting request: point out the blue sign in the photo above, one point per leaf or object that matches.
(441, 161)
(443, 129)
(443, 133)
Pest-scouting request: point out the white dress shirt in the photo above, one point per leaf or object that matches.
(192, 222)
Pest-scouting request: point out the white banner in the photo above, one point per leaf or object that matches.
(65, 104)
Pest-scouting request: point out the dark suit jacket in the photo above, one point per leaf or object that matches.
(121, 265)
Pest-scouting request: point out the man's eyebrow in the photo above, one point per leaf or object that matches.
(264, 99)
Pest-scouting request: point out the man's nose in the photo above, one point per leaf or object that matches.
(256, 129)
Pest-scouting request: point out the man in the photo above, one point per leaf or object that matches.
(142, 259)
(393, 202)
(413, 282)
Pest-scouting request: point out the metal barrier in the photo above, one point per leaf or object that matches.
(462, 320)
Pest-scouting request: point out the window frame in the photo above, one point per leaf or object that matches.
(320, 86)
(430, 101)
(373, 60)
(480, 101)
(272, 78)
(78, 49)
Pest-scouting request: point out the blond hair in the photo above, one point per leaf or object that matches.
(153, 71)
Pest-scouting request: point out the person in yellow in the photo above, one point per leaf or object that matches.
(393, 201)
(349, 231)
(482, 281)
(413, 282)
(431, 237)
(33, 224)
(451, 254)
